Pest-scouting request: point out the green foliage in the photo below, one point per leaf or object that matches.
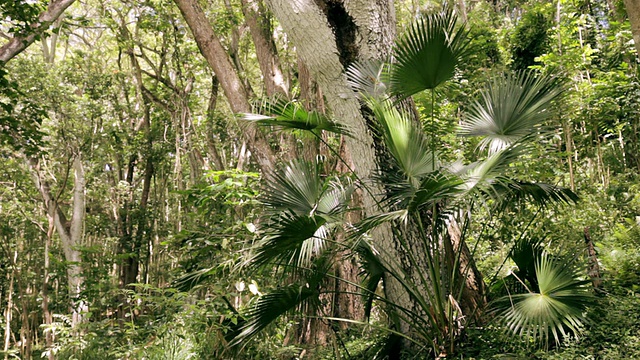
(511, 107)
(197, 229)
(20, 117)
(554, 307)
(18, 15)
(292, 115)
(421, 192)
(428, 53)
(530, 38)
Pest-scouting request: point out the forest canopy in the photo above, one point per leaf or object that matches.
(319, 179)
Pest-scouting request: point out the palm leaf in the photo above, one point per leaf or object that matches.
(483, 176)
(512, 107)
(303, 208)
(557, 309)
(405, 141)
(370, 78)
(292, 115)
(296, 188)
(433, 189)
(278, 302)
(302, 189)
(192, 279)
(428, 54)
(292, 239)
(373, 221)
(540, 194)
(372, 271)
(525, 253)
(335, 199)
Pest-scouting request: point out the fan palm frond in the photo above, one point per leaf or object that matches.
(405, 141)
(557, 309)
(541, 194)
(335, 199)
(435, 188)
(303, 208)
(296, 188)
(428, 54)
(292, 115)
(291, 239)
(484, 175)
(525, 253)
(286, 299)
(513, 106)
(373, 271)
(370, 78)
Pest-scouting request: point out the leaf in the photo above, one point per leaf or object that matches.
(405, 141)
(303, 208)
(557, 309)
(512, 107)
(428, 54)
(296, 188)
(292, 115)
(271, 306)
(372, 272)
(285, 299)
(370, 78)
(292, 239)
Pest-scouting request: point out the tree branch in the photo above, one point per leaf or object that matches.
(19, 43)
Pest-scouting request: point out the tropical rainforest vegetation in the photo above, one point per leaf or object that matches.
(319, 179)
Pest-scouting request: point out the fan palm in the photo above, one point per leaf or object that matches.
(511, 106)
(292, 115)
(428, 54)
(423, 196)
(302, 210)
(555, 306)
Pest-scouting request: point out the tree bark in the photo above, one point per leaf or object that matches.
(633, 12)
(8, 314)
(473, 299)
(214, 155)
(231, 84)
(317, 45)
(593, 265)
(46, 313)
(20, 42)
(260, 28)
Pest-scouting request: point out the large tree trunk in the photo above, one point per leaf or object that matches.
(318, 48)
(231, 84)
(20, 42)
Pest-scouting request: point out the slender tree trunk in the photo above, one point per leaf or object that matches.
(49, 44)
(8, 314)
(231, 84)
(593, 265)
(260, 28)
(46, 313)
(70, 232)
(633, 12)
(26, 336)
(212, 144)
